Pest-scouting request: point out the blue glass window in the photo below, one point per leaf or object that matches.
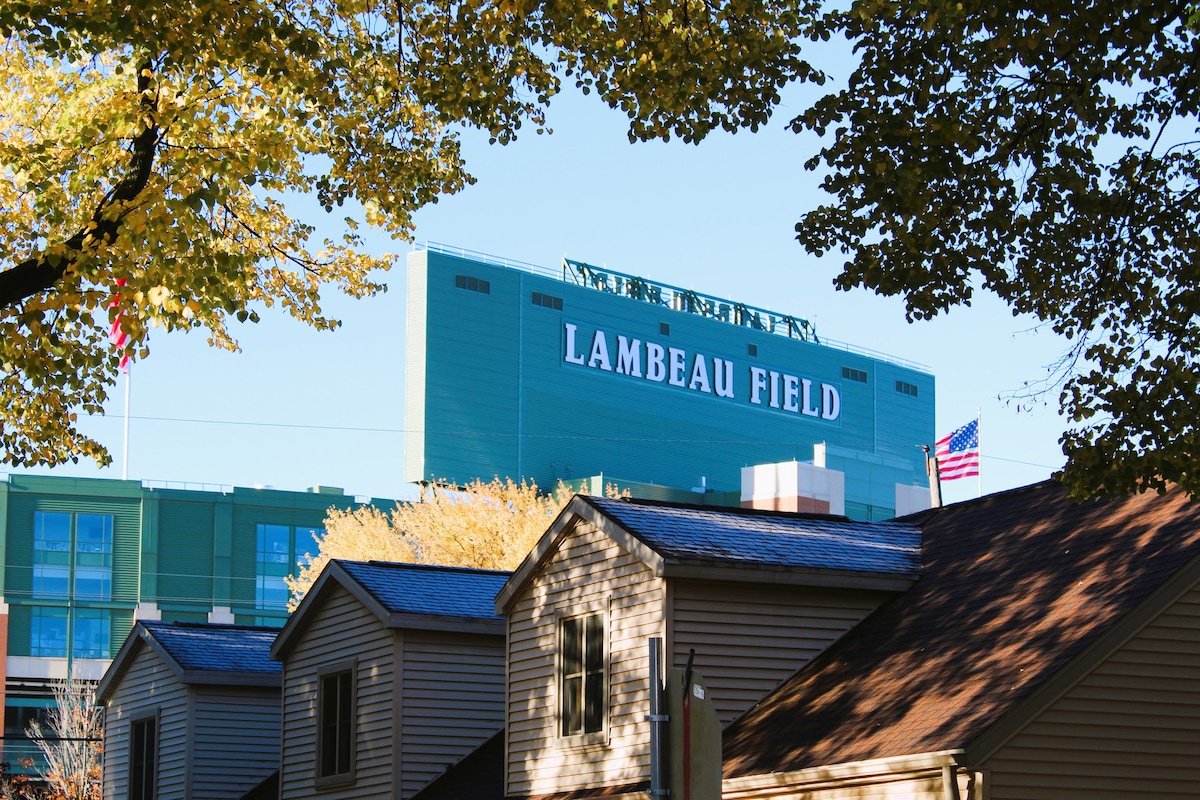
(278, 548)
(48, 632)
(72, 553)
(91, 633)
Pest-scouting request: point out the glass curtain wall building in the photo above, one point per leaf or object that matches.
(83, 559)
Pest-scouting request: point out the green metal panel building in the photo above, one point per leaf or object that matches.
(84, 558)
(515, 371)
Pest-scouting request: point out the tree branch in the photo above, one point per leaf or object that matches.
(41, 272)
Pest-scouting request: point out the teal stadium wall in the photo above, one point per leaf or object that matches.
(491, 390)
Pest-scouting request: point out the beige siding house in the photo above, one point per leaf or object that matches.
(191, 712)
(1050, 650)
(391, 674)
(1030, 647)
(755, 593)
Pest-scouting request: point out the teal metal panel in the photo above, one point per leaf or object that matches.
(19, 630)
(185, 568)
(504, 392)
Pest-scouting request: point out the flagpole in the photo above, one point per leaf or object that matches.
(125, 453)
(979, 443)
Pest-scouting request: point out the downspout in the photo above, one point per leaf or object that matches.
(657, 720)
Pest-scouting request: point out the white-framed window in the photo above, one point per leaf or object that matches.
(583, 679)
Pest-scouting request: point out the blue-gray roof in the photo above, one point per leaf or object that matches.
(426, 589)
(763, 538)
(216, 648)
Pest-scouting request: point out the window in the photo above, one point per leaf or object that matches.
(906, 388)
(852, 374)
(473, 284)
(276, 559)
(752, 350)
(335, 714)
(664, 328)
(48, 632)
(50, 628)
(72, 554)
(143, 742)
(547, 301)
(90, 636)
(581, 699)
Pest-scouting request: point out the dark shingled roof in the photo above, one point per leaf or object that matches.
(1014, 586)
(216, 648)
(426, 589)
(767, 538)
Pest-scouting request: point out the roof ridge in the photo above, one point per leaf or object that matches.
(164, 624)
(738, 510)
(417, 566)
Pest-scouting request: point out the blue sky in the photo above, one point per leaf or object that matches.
(298, 408)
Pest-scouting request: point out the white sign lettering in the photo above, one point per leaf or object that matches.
(698, 372)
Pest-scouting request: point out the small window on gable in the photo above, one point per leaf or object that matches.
(472, 284)
(582, 695)
(664, 328)
(335, 718)
(143, 751)
(752, 350)
(909, 389)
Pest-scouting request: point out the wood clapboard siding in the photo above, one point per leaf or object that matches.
(1131, 728)
(588, 572)
(340, 629)
(453, 701)
(149, 687)
(236, 735)
(750, 638)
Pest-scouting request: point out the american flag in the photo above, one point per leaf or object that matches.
(958, 453)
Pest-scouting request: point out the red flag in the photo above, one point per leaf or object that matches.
(116, 336)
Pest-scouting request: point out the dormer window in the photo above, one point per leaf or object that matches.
(581, 649)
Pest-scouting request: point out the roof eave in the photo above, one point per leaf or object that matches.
(833, 776)
(791, 576)
(577, 510)
(140, 635)
(298, 620)
(210, 677)
(449, 624)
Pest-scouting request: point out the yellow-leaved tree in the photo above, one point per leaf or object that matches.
(489, 525)
(150, 152)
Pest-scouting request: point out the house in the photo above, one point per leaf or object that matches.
(391, 673)
(1016, 646)
(191, 712)
(757, 594)
(1050, 650)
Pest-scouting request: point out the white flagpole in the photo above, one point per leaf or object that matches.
(125, 454)
(979, 443)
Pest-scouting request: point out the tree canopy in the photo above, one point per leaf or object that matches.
(489, 525)
(149, 152)
(1046, 152)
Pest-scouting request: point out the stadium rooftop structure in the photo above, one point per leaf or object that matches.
(583, 373)
(603, 279)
